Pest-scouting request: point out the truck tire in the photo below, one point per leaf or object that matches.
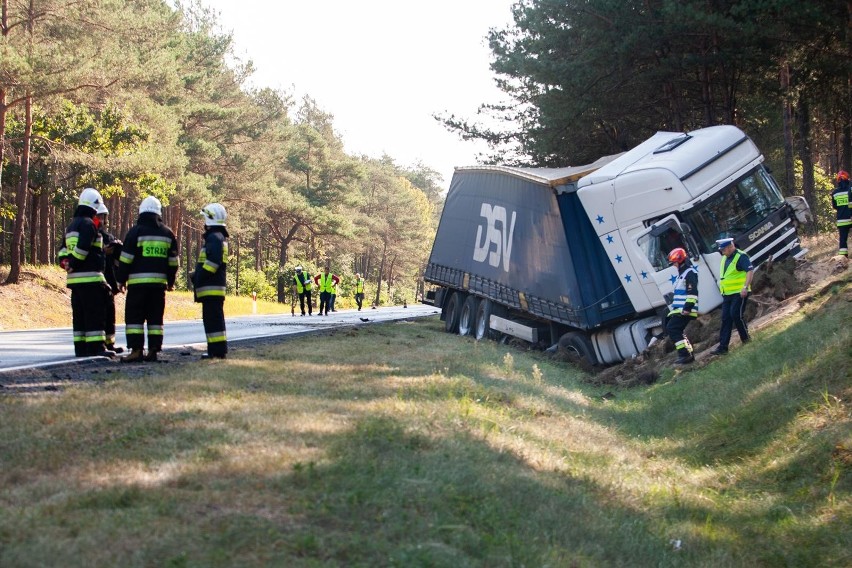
(454, 306)
(467, 317)
(482, 323)
(580, 345)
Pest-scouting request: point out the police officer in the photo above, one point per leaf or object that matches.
(82, 257)
(359, 290)
(209, 279)
(325, 283)
(303, 288)
(735, 276)
(147, 267)
(840, 200)
(684, 306)
(112, 251)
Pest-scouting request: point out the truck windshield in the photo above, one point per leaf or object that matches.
(735, 209)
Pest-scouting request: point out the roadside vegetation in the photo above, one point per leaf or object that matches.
(401, 445)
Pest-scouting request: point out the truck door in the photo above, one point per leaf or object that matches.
(657, 241)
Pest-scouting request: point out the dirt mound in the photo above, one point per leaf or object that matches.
(779, 289)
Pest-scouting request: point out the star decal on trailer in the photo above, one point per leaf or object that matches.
(618, 258)
(600, 219)
(628, 278)
(644, 275)
(609, 239)
(672, 279)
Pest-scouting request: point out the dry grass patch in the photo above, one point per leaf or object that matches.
(400, 445)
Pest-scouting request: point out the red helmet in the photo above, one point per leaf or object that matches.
(842, 175)
(677, 255)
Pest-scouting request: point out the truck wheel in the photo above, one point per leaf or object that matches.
(579, 345)
(482, 328)
(467, 318)
(454, 305)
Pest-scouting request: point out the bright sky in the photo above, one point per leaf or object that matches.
(381, 67)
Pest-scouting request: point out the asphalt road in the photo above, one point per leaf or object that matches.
(35, 348)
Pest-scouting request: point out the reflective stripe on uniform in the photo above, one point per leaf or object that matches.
(134, 329)
(84, 277)
(147, 278)
(93, 336)
(207, 291)
(216, 337)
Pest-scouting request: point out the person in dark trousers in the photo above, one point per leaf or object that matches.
(840, 200)
(359, 290)
(684, 306)
(303, 285)
(333, 296)
(735, 276)
(325, 283)
(82, 257)
(112, 252)
(147, 267)
(209, 279)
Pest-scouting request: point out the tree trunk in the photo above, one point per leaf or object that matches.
(806, 155)
(2, 157)
(789, 175)
(237, 277)
(44, 227)
(31, 226)
(381, 271)
(21, 198)
(282, 262)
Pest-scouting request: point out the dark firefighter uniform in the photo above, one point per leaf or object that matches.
(683, 309)
(82, 257)
(359, 291)
(209, 280)
(112, 252)
(840, 200)
(148, 266)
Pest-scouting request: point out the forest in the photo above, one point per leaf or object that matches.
(587, 78)
(147, 97)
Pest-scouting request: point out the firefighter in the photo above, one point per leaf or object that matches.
(684, 306)
(147, 267)
(82, 257)
(735, 275)
(209, 279)
(303, 288)
(112, 252)
(840, 200)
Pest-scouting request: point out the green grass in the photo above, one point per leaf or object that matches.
(400, 445)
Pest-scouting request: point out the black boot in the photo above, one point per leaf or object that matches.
(685, 356)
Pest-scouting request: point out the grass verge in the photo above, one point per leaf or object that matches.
(400, 445)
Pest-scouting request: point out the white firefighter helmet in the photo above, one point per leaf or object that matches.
(151, 205)
(90, 197)
(214, 214)
(102, 209)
